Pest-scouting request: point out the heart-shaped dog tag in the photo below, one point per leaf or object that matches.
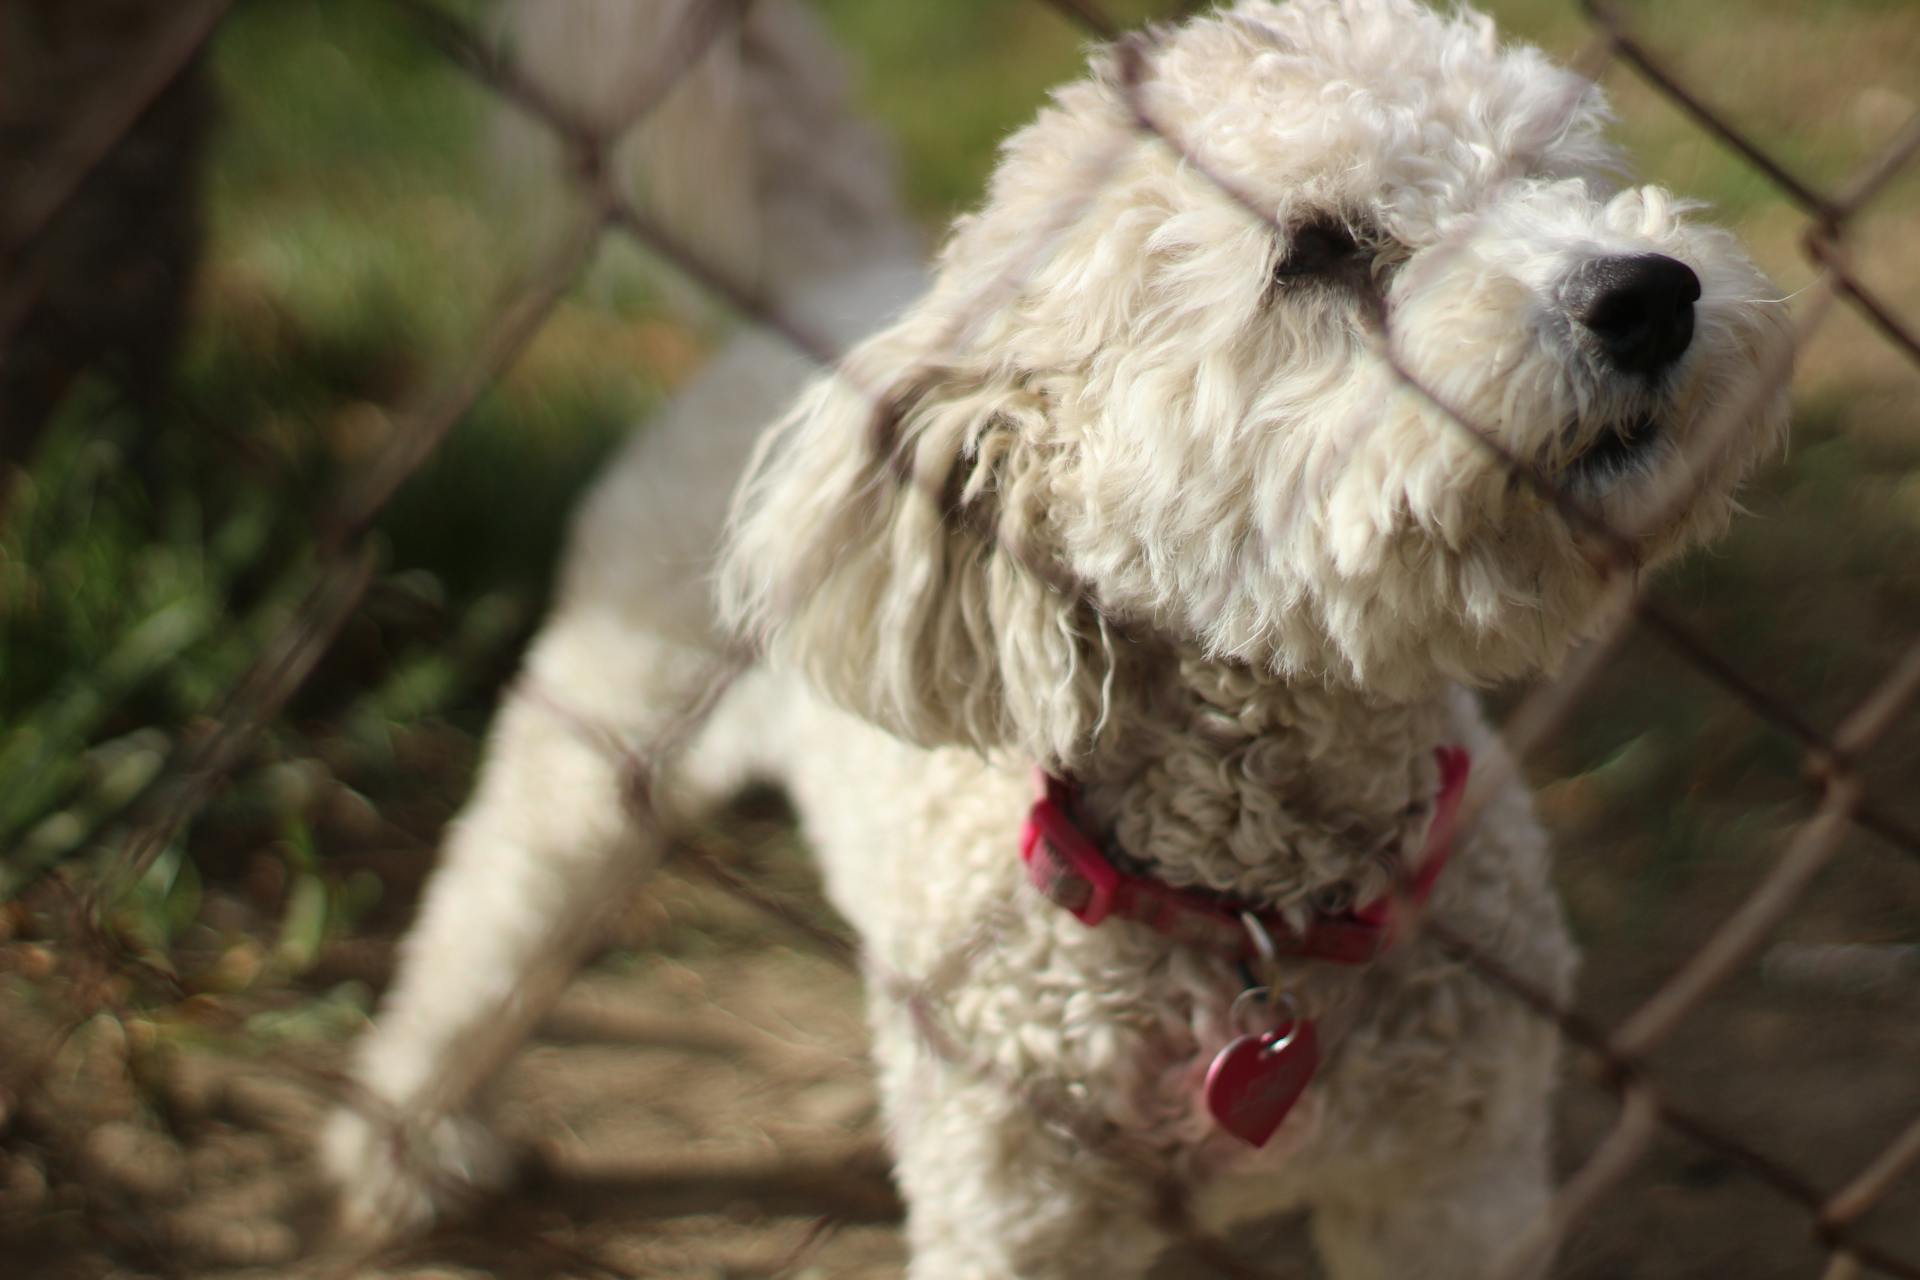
(1254, 1081)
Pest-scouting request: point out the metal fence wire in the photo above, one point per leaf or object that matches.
(1834, 757)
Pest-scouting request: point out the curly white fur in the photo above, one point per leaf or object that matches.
(1292, 561)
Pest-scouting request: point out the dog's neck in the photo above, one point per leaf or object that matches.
(1298, 795)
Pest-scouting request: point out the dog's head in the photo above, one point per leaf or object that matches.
(1169, 359)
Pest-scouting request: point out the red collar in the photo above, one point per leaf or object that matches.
(1066, 866)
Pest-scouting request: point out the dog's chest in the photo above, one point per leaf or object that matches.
(1230, 1179)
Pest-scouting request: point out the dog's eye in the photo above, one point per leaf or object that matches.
(1316, 249)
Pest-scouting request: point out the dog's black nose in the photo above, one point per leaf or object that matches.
(1640, 307)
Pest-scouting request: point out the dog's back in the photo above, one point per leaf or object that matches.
(763, 181)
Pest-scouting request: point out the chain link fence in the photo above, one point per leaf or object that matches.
(1836, 757)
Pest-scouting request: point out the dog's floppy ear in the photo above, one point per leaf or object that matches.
(883, 542)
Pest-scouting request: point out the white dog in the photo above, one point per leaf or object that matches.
(1166, 370)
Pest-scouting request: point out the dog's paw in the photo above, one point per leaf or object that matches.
(392, 1179)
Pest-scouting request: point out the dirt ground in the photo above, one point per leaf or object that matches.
(698, 1106)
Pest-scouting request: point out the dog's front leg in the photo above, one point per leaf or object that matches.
(1466, 1217)
(528, 868)
(997, 1187)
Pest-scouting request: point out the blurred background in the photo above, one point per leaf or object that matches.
(308, 231)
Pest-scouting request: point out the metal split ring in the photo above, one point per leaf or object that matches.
(1266, 996)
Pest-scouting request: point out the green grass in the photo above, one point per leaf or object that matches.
(357, 241)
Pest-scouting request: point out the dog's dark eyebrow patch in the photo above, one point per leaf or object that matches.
(1318, 246)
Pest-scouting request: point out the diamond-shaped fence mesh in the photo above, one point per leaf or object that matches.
(1848, 787)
